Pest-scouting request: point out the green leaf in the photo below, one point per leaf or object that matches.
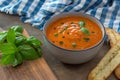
(18, 60)
(61, 42)
(74, 45)
(15, 62)
(18, 56)
(85, 31)
(39, 50)
(18, 34)
(56, 34)
(11, 36)
(34, 41)
(28, 52)
(81, 23)
(3, 36)
(17, 28)
(86, 39)
(8, 48)
(65, 28)
(20, 40)
(7, 59)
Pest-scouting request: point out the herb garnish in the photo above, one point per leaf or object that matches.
(74, 45)
(86, 39)
(85, 30)
(82, 24)
(61, 42)
(82, 28)
(15, 48)
(65, 28)
(56, 34)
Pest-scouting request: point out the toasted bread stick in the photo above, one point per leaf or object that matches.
(114, 37)
(107, 65)
(117, 72)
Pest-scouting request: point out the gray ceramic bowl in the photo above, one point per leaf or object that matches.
(73, 56)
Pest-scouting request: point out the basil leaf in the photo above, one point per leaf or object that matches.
(86, 39)
(11, 36)
(18, 34)
(3, 36)
(8, 48)
(17, 28)
(7, 59)
(65, 28)
(39, 50)
(18, 60)
(28, 52)
(56, 34)
(81, 23)
(34, 41)
(85, 31)
(74, 45)
(15, 62)
(20, 40)
(61, 42)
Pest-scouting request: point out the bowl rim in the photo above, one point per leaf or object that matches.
(103, 32)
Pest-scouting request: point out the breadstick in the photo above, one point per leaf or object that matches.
(107, 65)
(114, 37)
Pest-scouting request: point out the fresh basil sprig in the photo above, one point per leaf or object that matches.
(15, 47)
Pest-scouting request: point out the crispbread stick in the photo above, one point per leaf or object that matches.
(106, 66)
(114, 37)
(117, 71)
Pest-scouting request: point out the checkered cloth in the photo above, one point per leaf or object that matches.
(37, 12)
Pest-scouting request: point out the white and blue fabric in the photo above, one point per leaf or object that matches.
(37, 12)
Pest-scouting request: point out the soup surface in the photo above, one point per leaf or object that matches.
(74, 33)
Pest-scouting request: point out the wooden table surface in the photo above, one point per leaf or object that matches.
(62, 71)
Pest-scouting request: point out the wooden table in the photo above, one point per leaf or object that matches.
(62, 71)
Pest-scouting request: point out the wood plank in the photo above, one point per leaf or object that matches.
(30, 70)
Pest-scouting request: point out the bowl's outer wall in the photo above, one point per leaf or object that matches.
(73, 57)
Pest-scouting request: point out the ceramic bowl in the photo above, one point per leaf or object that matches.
(73, 56)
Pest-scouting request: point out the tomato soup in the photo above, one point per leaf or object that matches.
(74, 33)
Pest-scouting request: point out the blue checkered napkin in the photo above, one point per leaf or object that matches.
(37, 12)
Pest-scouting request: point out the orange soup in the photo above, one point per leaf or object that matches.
(74, 33)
